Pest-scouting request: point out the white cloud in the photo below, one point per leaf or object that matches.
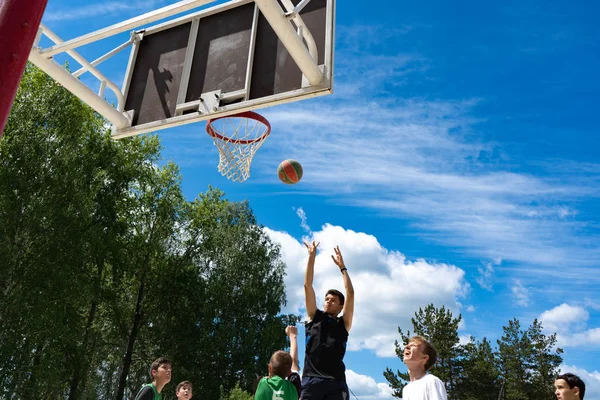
(388, 287)
(591, 380)
(592, 304)
(588, 337)
(520, 294)
(570, 324)
(464, 339)
(564, 318)
(470, 308)
(365, 387)
(302, 215)
(486, 274)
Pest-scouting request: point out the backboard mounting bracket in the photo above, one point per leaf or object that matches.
(209, 102)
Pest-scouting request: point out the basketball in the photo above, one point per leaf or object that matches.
(289, 171)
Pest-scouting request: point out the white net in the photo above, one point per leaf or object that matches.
(237, 138)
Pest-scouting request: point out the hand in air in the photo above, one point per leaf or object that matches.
(312, 247)
(291, 330)
(337, 258)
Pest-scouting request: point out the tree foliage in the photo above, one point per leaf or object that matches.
(107, 266)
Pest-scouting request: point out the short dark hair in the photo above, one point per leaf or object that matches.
(157, 363)
(337, 293)
(182, 384)
(428, 349)
(573, 381)
(281, 363)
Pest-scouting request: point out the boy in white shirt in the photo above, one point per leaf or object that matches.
(419, 357)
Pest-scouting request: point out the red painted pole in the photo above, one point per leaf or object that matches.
(19, 22)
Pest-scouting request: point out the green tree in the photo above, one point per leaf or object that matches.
(61, 181)
(514, 354)
(236, 393)
(479, 378)
(528, 361)
(232, 321)
(107, 266)
(546, 359)
(440, 328)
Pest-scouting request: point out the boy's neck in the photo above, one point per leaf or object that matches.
(159, 386)
(416, 373)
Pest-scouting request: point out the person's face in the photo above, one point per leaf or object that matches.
(563, 392)
(184, 393)
(414, 356)
(163, 374)
(332, 305)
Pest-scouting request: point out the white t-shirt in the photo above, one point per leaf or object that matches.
(429, 387)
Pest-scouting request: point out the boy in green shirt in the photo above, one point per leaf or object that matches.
(160, 372)
(275, 386)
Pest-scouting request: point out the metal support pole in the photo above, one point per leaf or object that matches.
(19, 22)
(84, 63)
(108, 55)
(290, 39)
(125, 26)
(75, 86)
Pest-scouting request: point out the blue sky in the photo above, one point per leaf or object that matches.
(457, 162)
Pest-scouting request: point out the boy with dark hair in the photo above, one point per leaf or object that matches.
(160, 373)
(324, 376)
(419, 357)
(569, 387)
(184, 390)
(275, 386)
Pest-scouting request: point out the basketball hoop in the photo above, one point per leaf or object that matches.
(237, 138)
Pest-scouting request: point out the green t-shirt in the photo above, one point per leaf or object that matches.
(148, 392)
(275, 388)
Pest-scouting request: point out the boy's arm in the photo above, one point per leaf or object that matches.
(309, 291)
(349, 303)
(145, 394)
(292, 333)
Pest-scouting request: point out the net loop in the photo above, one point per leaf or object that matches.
(238, 137)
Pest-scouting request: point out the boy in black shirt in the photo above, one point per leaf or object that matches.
(324, 376)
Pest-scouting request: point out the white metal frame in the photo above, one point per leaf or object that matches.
(317, 78)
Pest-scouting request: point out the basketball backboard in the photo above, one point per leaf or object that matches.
(227, 59)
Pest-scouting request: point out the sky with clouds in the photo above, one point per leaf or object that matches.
(457, 163)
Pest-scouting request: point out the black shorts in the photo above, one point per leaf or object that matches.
(314, 388)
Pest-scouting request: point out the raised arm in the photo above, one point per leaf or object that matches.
(292, 333)
(349, 303)
(309, 291)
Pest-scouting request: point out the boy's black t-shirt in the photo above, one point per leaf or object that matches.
(326, 339)
(297, 381)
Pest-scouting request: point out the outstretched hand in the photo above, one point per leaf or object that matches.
(312, 247)
(337, 258)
